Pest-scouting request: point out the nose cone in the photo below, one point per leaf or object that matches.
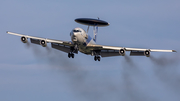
(74, 37)
(74, 34)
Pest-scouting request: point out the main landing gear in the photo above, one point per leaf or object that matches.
(72, 51)
(70, 55)
(97, 58)
(96, 54)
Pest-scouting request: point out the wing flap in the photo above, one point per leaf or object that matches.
(108, 53)
(35, 41)
(61, 47)
(137, 53)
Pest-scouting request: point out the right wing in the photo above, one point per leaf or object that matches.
(57, 44)
(107, 51)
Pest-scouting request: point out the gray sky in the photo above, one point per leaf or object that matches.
(31, 73)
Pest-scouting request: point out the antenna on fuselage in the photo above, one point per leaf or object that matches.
(92, 22)
(95, 31)
(87, 29)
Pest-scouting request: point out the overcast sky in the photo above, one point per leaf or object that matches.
(33, 73)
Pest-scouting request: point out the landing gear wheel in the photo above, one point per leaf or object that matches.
(98, 58)
(69, 55)
(72, 55)
(95, 58)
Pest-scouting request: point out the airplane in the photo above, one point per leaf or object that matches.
(82, 42)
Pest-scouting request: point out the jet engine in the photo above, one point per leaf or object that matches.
(147, 53)
(43, 43)
(24, 39)
(122, 52)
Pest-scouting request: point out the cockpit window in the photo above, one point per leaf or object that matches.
(76, 31)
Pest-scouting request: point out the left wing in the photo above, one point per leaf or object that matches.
(57, 44)
(107, 51)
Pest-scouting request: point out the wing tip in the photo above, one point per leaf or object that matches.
(174, 51)
(7, 31)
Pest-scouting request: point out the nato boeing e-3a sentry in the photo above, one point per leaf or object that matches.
(81, 41)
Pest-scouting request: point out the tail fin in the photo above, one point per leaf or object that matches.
(95, 30)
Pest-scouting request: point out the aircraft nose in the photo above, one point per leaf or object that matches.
(74, 34)
(74, 37)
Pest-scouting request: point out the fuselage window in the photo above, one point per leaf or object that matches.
(76, 31)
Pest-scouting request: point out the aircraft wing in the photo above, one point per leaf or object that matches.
(57, 44)
(107, 51)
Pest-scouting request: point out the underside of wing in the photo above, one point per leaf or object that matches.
(107, 51)
(93, 49)
(57, 44)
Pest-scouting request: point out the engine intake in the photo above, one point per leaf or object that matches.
(147, 53)
(43, 43)
(122, 52)
(24, 39)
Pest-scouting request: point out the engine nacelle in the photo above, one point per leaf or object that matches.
(24, 39)
(147, 53)
(122, 52)
(43, 43)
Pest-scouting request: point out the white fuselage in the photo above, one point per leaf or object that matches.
(81, 38)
